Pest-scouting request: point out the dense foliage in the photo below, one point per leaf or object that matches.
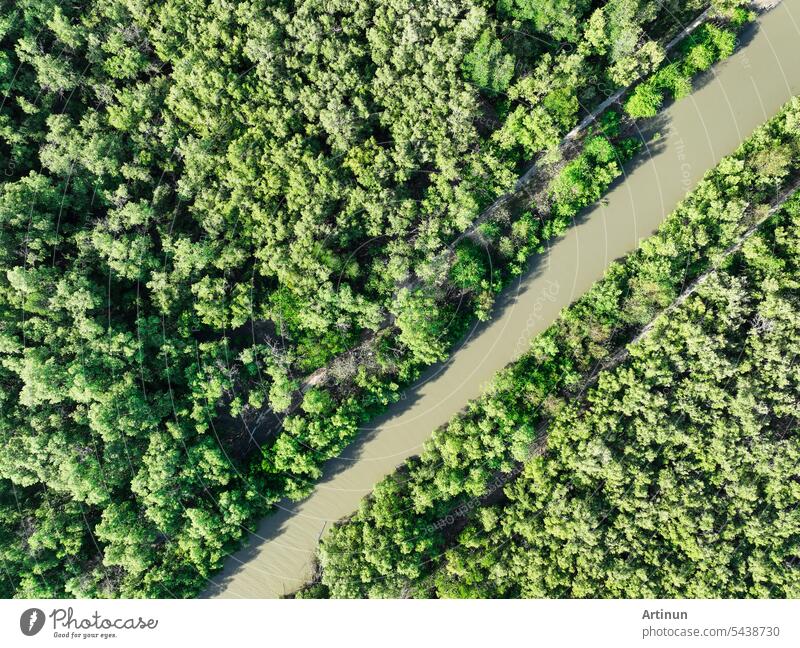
(706, 46)
(204, 204)
(679, 476)
(665, 462)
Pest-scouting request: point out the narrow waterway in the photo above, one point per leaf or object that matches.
(695, 133)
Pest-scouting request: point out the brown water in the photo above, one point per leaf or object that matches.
(729, 103)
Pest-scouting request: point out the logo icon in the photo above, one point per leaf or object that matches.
(31, 621)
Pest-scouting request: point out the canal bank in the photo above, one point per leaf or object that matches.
(694, 134)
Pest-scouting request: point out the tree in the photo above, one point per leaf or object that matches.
(422, 327)
(469, 267)
(488, 66)
(645, 101)
(558, 17)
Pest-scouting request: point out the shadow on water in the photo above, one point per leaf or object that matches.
(737, 96)
(651, 133)
(273, 525)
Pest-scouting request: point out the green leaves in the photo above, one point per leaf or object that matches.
(421, 324)
(645, 101)
(559, 17)
(659, 485)
(203, 204)
(671, 476)
(583, 180)
(707, 45)
(488, 66)
(469, 268)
